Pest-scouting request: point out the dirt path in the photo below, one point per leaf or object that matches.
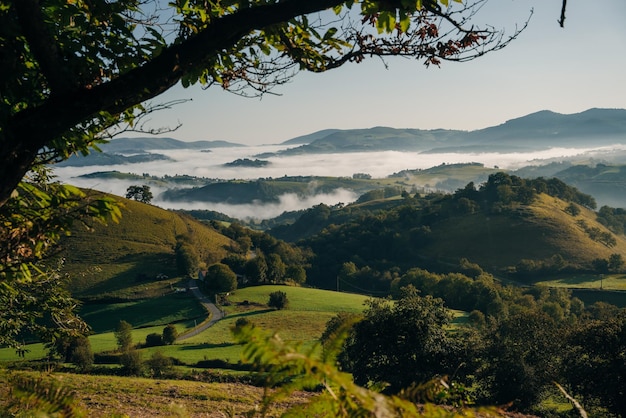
(215, 314)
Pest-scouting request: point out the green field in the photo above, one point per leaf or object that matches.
(304, 320)
(587, 281)
(162, 310)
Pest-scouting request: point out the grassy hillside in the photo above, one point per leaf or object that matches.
(122, 260)
(535, 232)
(445, 177)
(110, 396)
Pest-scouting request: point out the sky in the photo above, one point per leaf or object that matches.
(566, 70)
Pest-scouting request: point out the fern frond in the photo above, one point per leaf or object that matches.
(42, 396)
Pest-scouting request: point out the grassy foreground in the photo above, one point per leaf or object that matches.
(106, 396)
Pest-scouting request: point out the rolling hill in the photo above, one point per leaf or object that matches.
(437, 231)
(536, 232)
(122, 260)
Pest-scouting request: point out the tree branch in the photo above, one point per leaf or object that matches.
(43, 45)
(32, 129)
(562, 19)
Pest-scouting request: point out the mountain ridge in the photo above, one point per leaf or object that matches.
(538, 130)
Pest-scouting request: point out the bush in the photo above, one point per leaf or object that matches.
(169, 334)
(154, 339)
(242, 322)
(158, 364)
(82, 355)
(132, 362)
(278, 300)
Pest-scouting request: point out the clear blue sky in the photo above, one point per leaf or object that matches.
(566, 70)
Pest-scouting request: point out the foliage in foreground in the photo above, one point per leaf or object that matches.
(288, 368)
(33, 293)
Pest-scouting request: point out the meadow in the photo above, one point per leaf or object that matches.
(303, 320)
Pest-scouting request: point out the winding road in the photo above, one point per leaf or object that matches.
(214, 313)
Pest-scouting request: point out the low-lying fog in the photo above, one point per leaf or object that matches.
(377, 164)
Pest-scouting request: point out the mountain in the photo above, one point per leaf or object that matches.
(103, 158)
(540, 130)
(139, 150)
(306, 139)
(543, 128)
(143, 144)
(377, 139)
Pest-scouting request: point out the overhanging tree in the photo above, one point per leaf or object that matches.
(75, 73)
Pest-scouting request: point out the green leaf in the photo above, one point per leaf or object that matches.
(330, 33)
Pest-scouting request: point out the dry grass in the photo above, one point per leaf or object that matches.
(105, 396)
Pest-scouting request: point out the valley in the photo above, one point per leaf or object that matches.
(474, 247)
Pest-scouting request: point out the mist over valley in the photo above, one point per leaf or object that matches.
(185, 175)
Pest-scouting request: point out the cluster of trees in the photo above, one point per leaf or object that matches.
(613, 218)
(613, 264)
(514, 356)
(598, 235)
(502, 190)
(130, 358)
(263, 259)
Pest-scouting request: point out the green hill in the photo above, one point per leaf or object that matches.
(534, 232)
(507, 227)
(267, 190)
(123, 260)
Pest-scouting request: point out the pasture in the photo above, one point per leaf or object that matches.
(303, 320)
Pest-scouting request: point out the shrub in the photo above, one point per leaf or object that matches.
(132, 362)
(154, 339)
(278, 300)
(241, 322)
(82, 355)
(169, 334)
(158, 364)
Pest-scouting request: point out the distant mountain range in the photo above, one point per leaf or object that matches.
(540, 130)
(132, 145)
(138, 150)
